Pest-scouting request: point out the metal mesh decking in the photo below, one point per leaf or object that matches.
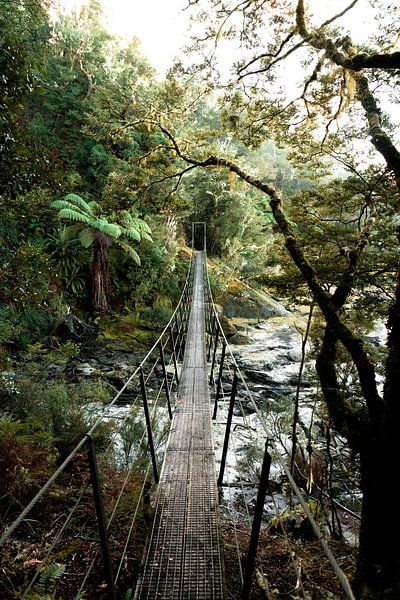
(184, 557)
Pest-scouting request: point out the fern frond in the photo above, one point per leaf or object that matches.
(146, 236)
(73, 215)
(73, 231)
(129, 251)
(94, 207)
(64, 204)
(52, 572)
(125, 218)
(131, 233)
(87, 237)
(141, 225)
(79, 202)
(107, 228)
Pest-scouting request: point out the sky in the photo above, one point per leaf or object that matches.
(161, 24)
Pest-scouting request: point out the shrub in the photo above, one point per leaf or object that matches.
(27, 457)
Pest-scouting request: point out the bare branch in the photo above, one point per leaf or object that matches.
(278, 59)
(268, 54)
(344, 11)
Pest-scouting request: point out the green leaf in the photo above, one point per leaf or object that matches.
(129, 251)
(141, 226)
(65, 204)
(107, 228)
(73, 215)
(131, 233)
(94, 206)
(86, 237)
(79, 202)
(73, 231)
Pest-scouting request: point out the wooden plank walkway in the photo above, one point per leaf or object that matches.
(184, 555)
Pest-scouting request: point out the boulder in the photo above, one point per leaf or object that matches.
(239, 339)
(259, 377)
(240, 300)
(228, 327)
(74, 330)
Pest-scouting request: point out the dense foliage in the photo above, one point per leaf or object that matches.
(103, 168)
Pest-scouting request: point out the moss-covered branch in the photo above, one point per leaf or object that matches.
(325, 301)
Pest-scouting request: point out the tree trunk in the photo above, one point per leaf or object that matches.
(378, 567)
(101, 281)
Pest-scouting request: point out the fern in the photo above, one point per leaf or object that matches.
(73, 215)
(50, 575)
(78, 202)
(107, 228)
(87, 237)
(129, 251)
(132, 233)
(141, 226)
(68, 205)
(94, 206)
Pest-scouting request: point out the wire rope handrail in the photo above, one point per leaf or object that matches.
(177, 322)
(213, 319)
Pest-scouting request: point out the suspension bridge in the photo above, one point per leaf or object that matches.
(183, 558)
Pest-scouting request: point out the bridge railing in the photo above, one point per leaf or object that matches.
(231, 388)
(104, 481)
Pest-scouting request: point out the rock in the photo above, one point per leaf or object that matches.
(294, 355)
(86, 369)
(240, 300)
(239, 339)
(247, 408)
(228, 327)
(278, 392)
(74, 330)
(243, 328)
(219, 309)
(259, 377)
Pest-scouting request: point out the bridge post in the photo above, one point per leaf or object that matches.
(214, 356)
(221, 368)
(171, 333)
(228, 429)
(214, 321)
(101, 522)
(181, 333)
(255, 530)
(162, 358)
(148, 425)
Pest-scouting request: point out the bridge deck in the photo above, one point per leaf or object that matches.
(184, 556)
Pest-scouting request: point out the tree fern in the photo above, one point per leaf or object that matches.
(143, 229)
(95, 230)
(63, 203)
(111, 229)
(94, 206)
